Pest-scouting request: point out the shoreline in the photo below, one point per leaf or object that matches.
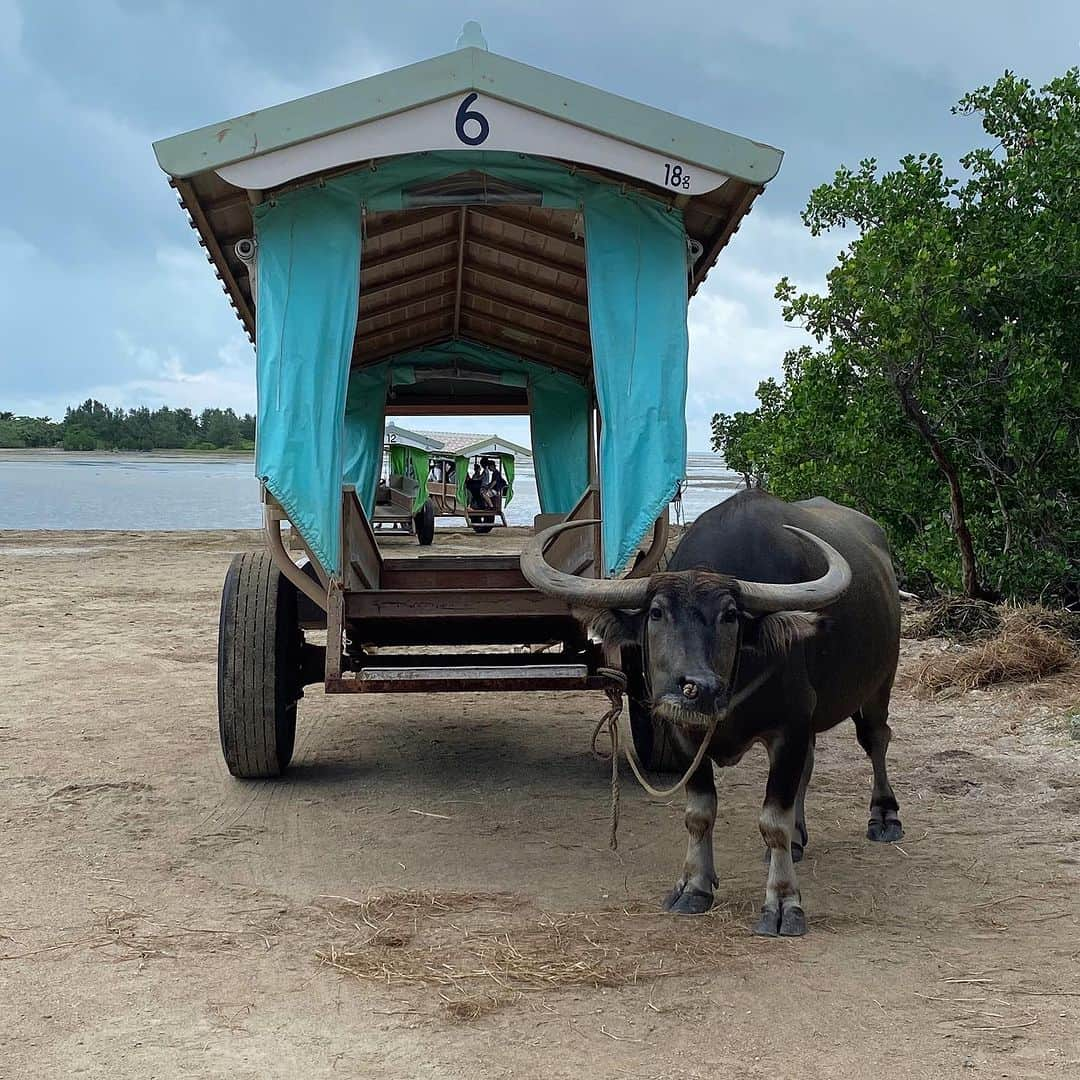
(39, 452)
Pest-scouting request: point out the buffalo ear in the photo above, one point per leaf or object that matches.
(779, 633)
(614, 628)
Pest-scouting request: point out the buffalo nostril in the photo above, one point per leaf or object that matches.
(690, 691)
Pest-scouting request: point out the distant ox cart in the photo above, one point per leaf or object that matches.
(429, 475)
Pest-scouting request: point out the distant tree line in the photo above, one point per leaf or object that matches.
(943, 394)
(94, 426)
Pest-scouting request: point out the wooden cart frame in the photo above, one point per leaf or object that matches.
(468, 258)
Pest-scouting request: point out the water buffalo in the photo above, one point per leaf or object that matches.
(778, 621)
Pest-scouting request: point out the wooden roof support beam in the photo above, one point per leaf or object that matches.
(530, 226)
(190, 202)
(575, 270)
(463, 216)
(457, 407)
(429, 243)
(397, 283)
(373, 354)
(402, 219)
(710, 255)
(227, 202)
(404, 309)
(583, 352)
(533, 313)
(549, 292)
(575, 369)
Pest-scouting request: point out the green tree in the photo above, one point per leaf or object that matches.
(734, 437)
(220, 427)
(947, 352)
(19, 432)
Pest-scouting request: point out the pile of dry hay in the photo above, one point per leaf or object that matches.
(954, 617)
(960, 619)
(1029, 644)
(505, 949)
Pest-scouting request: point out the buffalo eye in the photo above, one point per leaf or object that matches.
(656, 613)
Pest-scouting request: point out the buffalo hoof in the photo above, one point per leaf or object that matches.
(769, 923)
(786, 919)
(884, 831)
(686, 900)
(793, 921)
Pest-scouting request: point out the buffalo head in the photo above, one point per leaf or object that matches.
(692, 625)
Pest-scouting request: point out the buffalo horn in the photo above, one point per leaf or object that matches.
(761, 597)
(586, 592)
(756, 596)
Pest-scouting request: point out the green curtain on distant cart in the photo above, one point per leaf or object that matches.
(461, 467)
(507, 461)
(411, 461)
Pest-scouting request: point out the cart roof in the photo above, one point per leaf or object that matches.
(504, 274)
(465, 444)
(248, 149)
(454, 443)
(419, 440)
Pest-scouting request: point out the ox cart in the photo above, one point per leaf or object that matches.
(430, 475)
(463, 236)
(402, 500)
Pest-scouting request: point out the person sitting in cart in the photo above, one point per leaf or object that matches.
(475, 486)
(498, 481)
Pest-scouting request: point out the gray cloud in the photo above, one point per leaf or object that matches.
(103, 290)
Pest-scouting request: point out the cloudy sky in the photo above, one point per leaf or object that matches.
(104, 292)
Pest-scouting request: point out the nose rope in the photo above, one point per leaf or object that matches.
(615, 688)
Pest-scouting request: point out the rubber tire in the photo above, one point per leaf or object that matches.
(259, 650)
(424, 520)
(483, 527)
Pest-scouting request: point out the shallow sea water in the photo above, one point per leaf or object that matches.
(162, 491)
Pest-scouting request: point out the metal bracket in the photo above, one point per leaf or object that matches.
(247, 252)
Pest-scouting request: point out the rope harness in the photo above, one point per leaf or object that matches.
(615, 689)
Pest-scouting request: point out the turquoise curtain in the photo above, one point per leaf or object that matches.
(636, 260)
(309, 280)
(309, 265)
(559, 421)
(365, 417)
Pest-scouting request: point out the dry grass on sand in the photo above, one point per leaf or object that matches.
(1028, 645)
(962, 620)
(507, 949)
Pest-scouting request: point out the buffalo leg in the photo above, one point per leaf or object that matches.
(873, 732)
(783, 912)
(802, 837)
(693, 892)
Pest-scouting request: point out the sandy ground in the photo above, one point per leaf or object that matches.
(160, 919)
